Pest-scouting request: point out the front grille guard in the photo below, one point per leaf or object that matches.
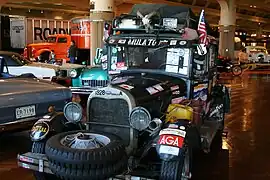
(131, 104)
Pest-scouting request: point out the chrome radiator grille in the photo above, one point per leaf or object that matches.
(94, 83)
(112, 111)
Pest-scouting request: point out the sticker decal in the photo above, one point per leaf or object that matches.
(176, 92)
(177, 100)
(125, 86)
(118, 80)
(176, 132)
(171, 140)
(152, 90)
(155, 89)
(158, 87)
(173, 126)
(173, 88)
(169, 150)
(200, 92)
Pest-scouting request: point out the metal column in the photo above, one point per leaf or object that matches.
(103, 12)
(227, 27)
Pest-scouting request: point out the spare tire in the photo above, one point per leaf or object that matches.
(66, 172)
(110, 151)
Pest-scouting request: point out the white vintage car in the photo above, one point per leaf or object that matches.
(18, 65)
(255, 54)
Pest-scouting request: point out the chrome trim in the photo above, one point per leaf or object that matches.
(20, 121)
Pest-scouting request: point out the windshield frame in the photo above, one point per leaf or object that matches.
(186, 60)
(20, 58)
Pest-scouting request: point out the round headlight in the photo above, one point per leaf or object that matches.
(73, 73)
(139, 118)
(73, 112)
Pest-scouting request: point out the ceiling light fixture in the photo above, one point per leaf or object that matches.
(41, 11)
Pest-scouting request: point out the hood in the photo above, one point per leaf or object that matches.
(23, 93)
(94, 73)
(44, 65)
(26, 85)
(67, 66)
(40, 44)
(150, 87)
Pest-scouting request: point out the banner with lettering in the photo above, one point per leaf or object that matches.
(147, 42)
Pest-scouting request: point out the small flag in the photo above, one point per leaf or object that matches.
(203, 39)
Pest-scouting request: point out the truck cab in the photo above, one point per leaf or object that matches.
(58, 43)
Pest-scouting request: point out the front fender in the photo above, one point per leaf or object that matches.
(40, 51)
(50, 124)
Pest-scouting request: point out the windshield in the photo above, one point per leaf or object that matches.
(51, 39)
(162, 58)
(21, 59)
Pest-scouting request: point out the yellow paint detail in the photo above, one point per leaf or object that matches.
(176, 112)
(40, 128)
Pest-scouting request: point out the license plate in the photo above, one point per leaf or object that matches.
(26, 111)
(171, 140)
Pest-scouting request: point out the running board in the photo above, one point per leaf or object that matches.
(208, 133)
(39, 162)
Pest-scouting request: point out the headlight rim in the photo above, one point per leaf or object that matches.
(80, 108)
(139, 108)
(76, 73)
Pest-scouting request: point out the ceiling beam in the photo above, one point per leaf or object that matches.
(209, 11)
(44, 8)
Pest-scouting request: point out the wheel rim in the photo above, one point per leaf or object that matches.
(237, 70)
(85, 141)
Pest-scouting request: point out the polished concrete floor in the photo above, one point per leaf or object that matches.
(245, 153)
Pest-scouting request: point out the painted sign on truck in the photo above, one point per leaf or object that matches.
(80, 32)
(25, 31)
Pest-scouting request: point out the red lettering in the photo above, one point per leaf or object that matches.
(171, 140)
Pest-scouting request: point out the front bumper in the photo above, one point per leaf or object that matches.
(18, 124)
(39, 162)
(82, 90)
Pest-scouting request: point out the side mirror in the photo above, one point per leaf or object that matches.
(98, 56)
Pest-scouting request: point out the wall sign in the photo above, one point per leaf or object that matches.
(41, 33)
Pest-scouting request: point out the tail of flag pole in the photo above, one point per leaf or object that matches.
(203, 39)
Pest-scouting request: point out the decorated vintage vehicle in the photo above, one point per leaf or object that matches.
(162, 103)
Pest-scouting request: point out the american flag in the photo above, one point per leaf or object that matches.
(202, 30)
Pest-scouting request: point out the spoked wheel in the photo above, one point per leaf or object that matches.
(177, 169)
(85, 154)
(237, 70)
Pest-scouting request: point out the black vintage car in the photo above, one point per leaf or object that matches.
(162, 104)
(25, 99)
